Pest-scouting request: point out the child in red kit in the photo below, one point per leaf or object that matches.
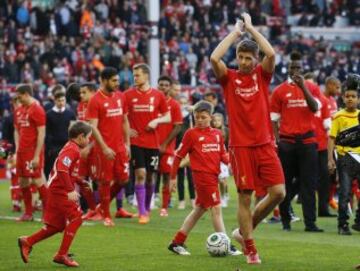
(62, 212)
(206, 149)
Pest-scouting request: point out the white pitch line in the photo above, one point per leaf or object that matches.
(39, 220)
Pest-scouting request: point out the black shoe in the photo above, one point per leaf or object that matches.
(286, 227)
(356, 227)
(327, 214)
(344, 230)
(313, 228)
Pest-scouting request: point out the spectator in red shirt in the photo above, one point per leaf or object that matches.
(252, 153)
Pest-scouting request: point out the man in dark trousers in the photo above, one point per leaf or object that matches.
(293, 105)
(57, 123)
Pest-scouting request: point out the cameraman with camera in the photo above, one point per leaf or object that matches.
(347, 151)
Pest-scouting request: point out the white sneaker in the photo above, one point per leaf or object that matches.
(233, 251)
(181, 205)
(178, 249)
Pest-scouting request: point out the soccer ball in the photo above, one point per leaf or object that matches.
(218, 244)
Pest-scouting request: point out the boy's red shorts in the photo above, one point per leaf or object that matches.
(23, 164)
(166, 161)
(256, 167)
(207, 189)
(59, 210)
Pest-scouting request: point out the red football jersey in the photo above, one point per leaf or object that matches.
(322, 117)
(332, 105)
(81, 110)
(27, 120)
(288, 100)
(143, 108)
(65, 162)
(246, 97)
(164, 129)
(109, 110)
(206, 149)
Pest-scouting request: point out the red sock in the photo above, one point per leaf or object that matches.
(87, 193)
(27, 196)
(69, 234)
(276, 212)
(179, 238)
(43, 194)
(115, 189)
(104, 190)
(42, 234)
(165, 196)
(250, 246)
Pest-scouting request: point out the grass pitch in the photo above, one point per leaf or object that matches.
(133, 247)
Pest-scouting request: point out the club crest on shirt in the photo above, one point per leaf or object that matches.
(66, 161)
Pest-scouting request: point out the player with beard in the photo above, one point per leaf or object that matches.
(107, 114)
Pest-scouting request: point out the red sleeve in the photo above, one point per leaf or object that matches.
(224, 154)
(223, 80)
(68, 184)
(185, 145)
(275, 103)
(39, 116)
(325, 110)
(175, 167)
(92, 111)
(163, 107)
(176, 115)
(125, 104)
(266, 76)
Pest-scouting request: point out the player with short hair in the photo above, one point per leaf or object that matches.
(252, 153)
(293, 105)
(167, 138)
(86, 161)
(145, 105)
(206, 148)
(107, 114)
(29, 122)
(62, 212)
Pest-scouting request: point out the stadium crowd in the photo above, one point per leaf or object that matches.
(70, 41)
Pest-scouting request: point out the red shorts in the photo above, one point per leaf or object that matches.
(166, 161)
(87, 166)
(111, 170)
(207, 189)
(59, 210)
(23, 164)
(256, 167)
(260, 191)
